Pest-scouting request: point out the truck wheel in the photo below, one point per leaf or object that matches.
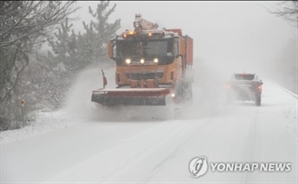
(258, 101)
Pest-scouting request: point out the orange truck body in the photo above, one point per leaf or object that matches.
(150, 64)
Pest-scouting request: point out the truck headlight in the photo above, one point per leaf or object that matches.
(155, 60)
(142, 61)
(128, 61)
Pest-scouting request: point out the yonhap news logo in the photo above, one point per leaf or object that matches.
(198, 166)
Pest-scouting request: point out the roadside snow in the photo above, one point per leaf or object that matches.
(76, 107)
(45, 122)
(287, 109)
(289, 115)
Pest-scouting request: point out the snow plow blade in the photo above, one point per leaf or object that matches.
(131, 97)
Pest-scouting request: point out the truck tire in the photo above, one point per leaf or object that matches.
(258, 101)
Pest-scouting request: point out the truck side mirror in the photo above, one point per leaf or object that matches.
(110, 50)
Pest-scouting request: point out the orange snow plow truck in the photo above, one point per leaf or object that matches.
(151, 65)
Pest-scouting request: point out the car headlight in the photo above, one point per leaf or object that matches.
(155, 60)
(128, 61)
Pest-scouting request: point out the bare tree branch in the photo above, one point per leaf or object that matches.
(288, 10)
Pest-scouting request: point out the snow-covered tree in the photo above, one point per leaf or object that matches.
(100, 31)
(23, 25)
(78, 50)
(62, 45)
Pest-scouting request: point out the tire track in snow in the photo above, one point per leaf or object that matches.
(153, 160)
(123, 155)
(250, 148)
(173, 142)
(174, 152)
(154, 149)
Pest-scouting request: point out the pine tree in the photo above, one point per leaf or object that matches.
(100, 31)
(78, 50)
(64, 46)
(61, 44)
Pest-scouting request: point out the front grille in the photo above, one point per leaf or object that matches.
(144, 75)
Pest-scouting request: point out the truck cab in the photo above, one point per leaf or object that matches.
(153, 55)
(151, 65)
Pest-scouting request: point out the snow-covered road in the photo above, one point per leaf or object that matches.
(158, 150)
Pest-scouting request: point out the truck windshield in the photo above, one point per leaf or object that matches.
(136, 49)
(244, 76)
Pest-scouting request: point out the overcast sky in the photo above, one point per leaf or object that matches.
(242, 35)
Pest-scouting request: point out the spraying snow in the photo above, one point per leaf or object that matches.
(78, 102)
(207, 97)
